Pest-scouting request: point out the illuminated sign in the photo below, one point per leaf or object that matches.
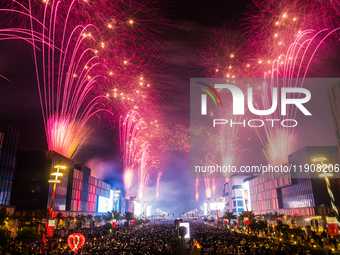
(187, 226)
(148, 210)
(104, 204)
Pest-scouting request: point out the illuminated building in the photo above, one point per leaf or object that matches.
(31, 190)
(117, 200)
(9, 137)
(77, 193)
(236, 194)
(298, 192)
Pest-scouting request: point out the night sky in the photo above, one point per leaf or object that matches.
(195, 20)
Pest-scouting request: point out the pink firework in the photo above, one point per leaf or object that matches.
(208, 177)
(135, 151)
(226, 55)
(159, 179)
(273, 25)
(143, 171)
(130, 45)
(197, 181)
(69, 74)
(279, 142)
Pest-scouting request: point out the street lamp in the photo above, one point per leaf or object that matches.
(330, 193)
(55, 181)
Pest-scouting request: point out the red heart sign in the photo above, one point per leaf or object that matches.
(75, 241)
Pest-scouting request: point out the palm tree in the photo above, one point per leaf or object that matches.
(116, 215)
(229, 216)
(129, 216)
(245, 215)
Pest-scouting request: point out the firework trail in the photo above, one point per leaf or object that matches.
(159, 179)
(197, 181)
(226, 55)
(143, 173)
(67, 68)
(135, 151)
(131, 141)
(131, 35)
(208, 177)
(230, 149)
(279, 142)
(300, 29)
(271, 27)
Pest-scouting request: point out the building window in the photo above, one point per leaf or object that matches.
(237, 187)
(239, 203)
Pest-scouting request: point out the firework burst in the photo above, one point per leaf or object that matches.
(69, 74)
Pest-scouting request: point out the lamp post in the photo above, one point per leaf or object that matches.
(330, 193)
(55, 181)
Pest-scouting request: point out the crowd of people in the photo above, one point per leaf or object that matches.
(160, 239)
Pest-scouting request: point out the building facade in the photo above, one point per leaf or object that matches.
(301, 192)
(76, 194)
(31, 189)
(236, 194)
(9, 138)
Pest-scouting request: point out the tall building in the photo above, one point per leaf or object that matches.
(265, 191)
(77, 193)
(236, 194)
(334, 101)
(86, 172)
(117, 200)
(300, 192)
(9, 138)
(31, 189)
